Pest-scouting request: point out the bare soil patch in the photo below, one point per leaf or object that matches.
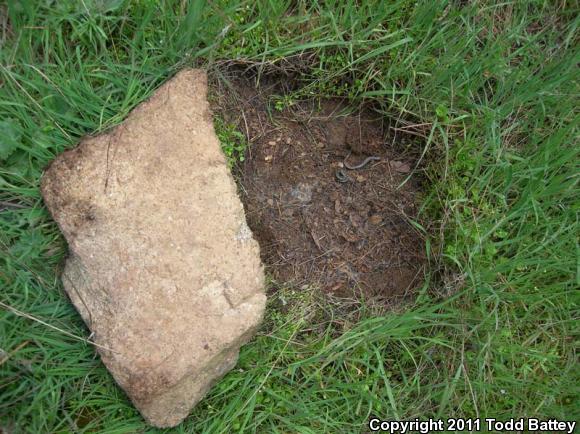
(348, 238)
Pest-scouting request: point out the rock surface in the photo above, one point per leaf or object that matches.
(162, 266)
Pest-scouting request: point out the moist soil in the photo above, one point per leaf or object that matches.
(352, 238)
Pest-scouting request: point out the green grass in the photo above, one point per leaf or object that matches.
(493, 332)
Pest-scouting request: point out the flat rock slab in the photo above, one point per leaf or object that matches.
(162, 266)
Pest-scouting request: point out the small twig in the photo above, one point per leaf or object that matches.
(406, 127)
(14, 351)
(413, 133)
(81, 298)
(7, 205)
(28, 316)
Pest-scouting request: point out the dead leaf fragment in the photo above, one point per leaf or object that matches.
(400, 166)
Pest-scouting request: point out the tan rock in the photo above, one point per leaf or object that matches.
(161, 266)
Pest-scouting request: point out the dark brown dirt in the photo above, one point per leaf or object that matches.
(347, 238)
